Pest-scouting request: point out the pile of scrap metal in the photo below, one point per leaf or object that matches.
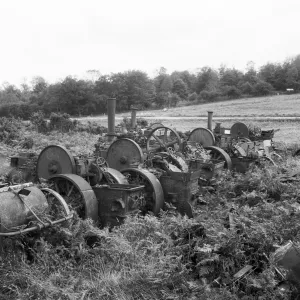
(236, 146)
(122, 178)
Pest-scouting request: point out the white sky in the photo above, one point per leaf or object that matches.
(54, 38)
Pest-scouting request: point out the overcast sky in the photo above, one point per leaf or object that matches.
(54, 39)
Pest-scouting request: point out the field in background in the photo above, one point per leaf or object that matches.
(270, 112)
(282, 105)
(270, 106)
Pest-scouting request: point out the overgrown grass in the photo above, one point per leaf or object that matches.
(171, 257)
(239, 222)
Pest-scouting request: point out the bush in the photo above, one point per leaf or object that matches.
(161, 99)
(39, 121)
(231, 91)
(247, 88)
(90, 127)
(263, 88)
(192, 97)
(174, 100)
(9, 129)
(61, 122)
(139, 121)
(209, 95)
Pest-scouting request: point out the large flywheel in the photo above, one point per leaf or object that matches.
(154, 195)
(54, 160)
(202, 136)
(162, 138)
(124, 153)
(219, 154)
(77, 193)
(239, 129)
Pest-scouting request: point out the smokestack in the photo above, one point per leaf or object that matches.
(111, 114)
(209, 120)
(133, 117)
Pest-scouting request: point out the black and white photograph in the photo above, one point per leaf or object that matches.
(149, 150)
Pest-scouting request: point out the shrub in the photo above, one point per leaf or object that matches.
(61, 122)
(263, 88)
(209, 95)
(9, 129)
(39, 121)
(90, 127)
(192, 97)
(174, 100)
(247, 88)
(231, 91)
(139, 121)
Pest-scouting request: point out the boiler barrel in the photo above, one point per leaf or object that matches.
(13, 211)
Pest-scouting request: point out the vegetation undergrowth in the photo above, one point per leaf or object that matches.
(245, 219)
(240, 221)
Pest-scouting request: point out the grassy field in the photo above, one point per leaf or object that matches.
(282, 105)
(259, 111)
(271, 106)
(238, 222)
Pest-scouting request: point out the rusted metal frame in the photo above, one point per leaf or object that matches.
(38, 227)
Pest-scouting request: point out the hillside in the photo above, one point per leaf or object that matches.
(273, 112)
(281, 105)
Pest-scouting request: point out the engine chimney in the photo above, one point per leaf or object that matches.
(133, 117)
(111, 114)
(209, 120)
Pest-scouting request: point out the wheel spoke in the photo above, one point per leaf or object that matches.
(165, 138)
(159, 141)
(56, 187)
(70, 190)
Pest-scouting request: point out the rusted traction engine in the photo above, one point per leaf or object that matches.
(132, 179)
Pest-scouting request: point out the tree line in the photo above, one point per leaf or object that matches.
(79, 97)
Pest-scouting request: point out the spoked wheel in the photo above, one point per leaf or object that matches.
(219, 154)
(161, 138)
(77, 193)
(58, 207)
(101, 162)
(154, 195)
(265, 161)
